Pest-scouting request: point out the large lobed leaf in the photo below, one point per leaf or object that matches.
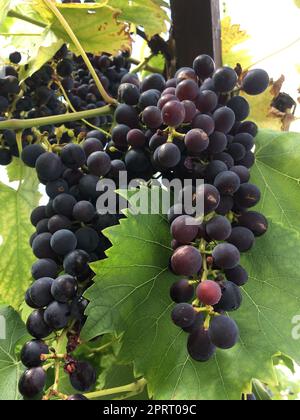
(95, 25)
(146, 13)
(4, 8)
(10, 367)
(16, 256)
(277, 173)
(131, 295)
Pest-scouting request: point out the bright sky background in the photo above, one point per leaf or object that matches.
(272, 25)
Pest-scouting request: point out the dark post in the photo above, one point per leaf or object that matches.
(196, 30)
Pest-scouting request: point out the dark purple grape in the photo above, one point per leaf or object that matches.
(217, 142)
(173, 114)
(84, 211)
(183, 315)
(242, 238)
(242, 172)
(223, 332)
(248, 195)
(209, 196)
(237, 151)
(254, 221)
(64, 288)
(182, 291)
(231, 298)
(92, 145)
(31, 153)
(44, 268)
(84, 377)
(199, 346)
(36, 325)
(204, 66)
(187, 90)
(184, 229)
(76, 263)
(186, 261)
(57, 315)
(54, 188)
(255, 82)
(224, 119)
(168, 155)
(226, 205)
(240, 107)
(226, 256)
(49, 167)
(31, 353)
(214, 168)
(64, 204)
(227, 183)
(237, 275)
(205, 123)
(99, 163)
(32, 382)
(40, 292)
(218, 228)
(59, 222)
(136, 138)
(196, 141)
(207, 101)
(63, 242)
(73, 156)
(129, 94)
(41, 246)
(152, 117)
(225, 79)
(190, 111)
(248, 127)
(245, 139)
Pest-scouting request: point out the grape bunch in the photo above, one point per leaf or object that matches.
(61, 85)
(207, 248)
(193, 126)
(68, 237)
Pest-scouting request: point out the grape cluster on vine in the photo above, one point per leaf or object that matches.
(193, 126)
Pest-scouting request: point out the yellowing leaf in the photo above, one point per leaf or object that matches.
(261, 111)
(42, 51)
(233, 38)
(146, 13)
(95, 25)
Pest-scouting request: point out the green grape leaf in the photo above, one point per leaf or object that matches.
(4, 7)
(16, 256)
(131, 296)
(260, 391)
(97, 26)
(277, 174)
(14, 333)
(146, 13)
(42, 51)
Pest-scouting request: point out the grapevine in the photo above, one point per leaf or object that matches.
(83, 118)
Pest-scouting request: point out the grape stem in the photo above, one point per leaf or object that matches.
(51, 5)
(141, 66)
(135, 387)
(54, 356)
(16, 15)
(147, 67)
(15, 124)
